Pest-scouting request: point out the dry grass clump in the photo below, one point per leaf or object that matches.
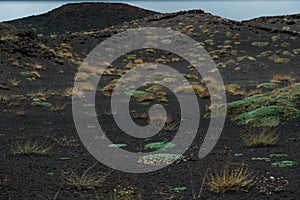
(29, 147)
(84, 180)
(252, 92)
(140, 115)
(229, 179)
(198, 89)
(85, 86)
(263, 139)
(67, 92)
(159, 119)
(234, 89)
(282, 77)
(58, 107)
(82, 76)
(171, 126)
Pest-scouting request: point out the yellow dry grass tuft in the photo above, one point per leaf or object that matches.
(84, 180)
(29, 147)
(263, 139)
(282, 77)
(229, 179)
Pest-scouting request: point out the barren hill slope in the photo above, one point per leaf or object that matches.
(81, 17)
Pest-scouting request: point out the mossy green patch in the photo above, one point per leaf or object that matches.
(177, 189)
(64, 158)
(267, 109)
(117, 145)
(136, 93)
(267, 116)
(267, 85)
(221, 65)
(238, 155)
(209, 41)
(278, 155)
(255, 102)
(285, 163)
(227, 42)
(40, 103)
(160, 145)
(260, 159)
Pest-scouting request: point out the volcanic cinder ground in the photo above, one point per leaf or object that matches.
(39, 60)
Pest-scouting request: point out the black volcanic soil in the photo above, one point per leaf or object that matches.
(54, 45)
(81, 17)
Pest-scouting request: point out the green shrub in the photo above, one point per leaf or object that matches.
(267, 116)
(267, 109)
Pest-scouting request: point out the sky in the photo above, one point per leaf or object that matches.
(231, 9)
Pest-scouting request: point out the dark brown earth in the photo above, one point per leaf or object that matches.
(54, 48)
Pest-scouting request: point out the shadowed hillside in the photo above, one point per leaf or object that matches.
(81, 17)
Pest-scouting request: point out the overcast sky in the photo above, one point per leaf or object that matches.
(232, 9)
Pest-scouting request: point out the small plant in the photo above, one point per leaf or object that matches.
(117, 145)
(252, 92)
(29, 147)
(67, 92)
(171, 126)
(282, 77)
(189, 89)
(285, 163)
(234, 89)
(191, 77)
(85, 86)
(84, 180)
(263, 139)
(267, 85)
(15, 82)
(136, 93)
(177, 189)
(260, 159)
(230, 179)
(260, 44)
(146, 98)
(66, 141)
(31, 76)
(200, 90)
(278, 60)
(109, 112)
(20, 113)
(160, 145)
(160, 118)
(278, 155)
(55, 108)
(123, 194)
(107, 90)
(140, 115)
(162, 97)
